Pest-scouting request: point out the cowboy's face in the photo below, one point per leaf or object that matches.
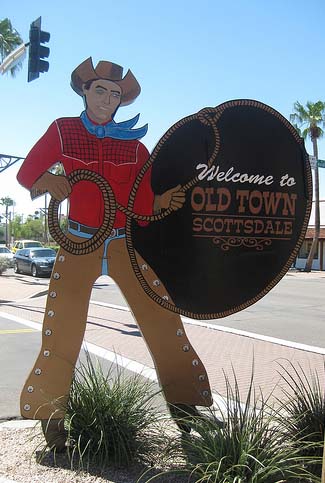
(102, 99)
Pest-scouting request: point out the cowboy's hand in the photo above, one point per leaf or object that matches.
(173, 198)
(57, 185)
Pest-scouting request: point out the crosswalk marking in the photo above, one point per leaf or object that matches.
(16, 331)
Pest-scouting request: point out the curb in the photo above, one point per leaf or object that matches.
(18, 424)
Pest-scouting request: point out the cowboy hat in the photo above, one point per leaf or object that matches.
(109, 71)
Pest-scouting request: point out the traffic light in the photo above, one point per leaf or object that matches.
(37, 51)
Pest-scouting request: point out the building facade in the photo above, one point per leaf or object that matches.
(319, 257)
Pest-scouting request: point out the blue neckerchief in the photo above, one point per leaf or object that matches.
(120, 130)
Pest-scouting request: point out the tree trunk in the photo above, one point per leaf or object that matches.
(315, 243)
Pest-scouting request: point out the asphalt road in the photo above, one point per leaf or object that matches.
(293, 310)
(19, 344)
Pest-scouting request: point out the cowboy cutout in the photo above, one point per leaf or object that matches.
(96, 143)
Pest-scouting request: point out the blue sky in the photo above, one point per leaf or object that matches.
(186, 55)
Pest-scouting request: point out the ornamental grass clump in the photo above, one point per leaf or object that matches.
(302, 413)
(249, 448)
(111, 419)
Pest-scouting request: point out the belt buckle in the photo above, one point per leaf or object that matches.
(113, 233)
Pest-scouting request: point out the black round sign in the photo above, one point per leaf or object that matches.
(248, 199)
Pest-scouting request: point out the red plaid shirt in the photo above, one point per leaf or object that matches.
(118, 161)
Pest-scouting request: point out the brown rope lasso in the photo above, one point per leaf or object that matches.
(206, 116)
(100, 236)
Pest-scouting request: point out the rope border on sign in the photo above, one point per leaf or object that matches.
(210, 116)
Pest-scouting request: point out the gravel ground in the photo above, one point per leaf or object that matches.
(20, 447)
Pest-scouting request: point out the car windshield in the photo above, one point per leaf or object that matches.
(42, 253)
(32, 244)
(4, 250)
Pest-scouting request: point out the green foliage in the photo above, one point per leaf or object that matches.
(16, 227)
(4, 264)
(308, 120)
(9, 41)
(111, 419)
(6, 201)
(250, 448)
(302, 417)
(31, 230)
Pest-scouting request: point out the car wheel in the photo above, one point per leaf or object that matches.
(34, 270)
(16, 269)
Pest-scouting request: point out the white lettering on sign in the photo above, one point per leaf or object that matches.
(229, 176)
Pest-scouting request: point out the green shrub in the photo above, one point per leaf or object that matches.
(4, 264)
(302, 413)
(111, 419)
(250, 448)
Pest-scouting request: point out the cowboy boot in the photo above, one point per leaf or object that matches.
(55, 434)
(185, 415)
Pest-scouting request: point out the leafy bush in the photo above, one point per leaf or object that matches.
(302, 414)
(111, 418)
(250, 448)
(112, 421)
(4, 264)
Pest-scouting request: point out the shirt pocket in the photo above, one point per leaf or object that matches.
(121, 173)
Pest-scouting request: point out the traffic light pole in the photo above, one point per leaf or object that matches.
(37, 51)
(6, 161)
(36, 55)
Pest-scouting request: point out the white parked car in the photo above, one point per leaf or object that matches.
(6, 253)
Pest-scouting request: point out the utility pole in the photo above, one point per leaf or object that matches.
(44, 212)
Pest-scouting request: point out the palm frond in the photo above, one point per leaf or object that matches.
(10, 39)
(308, 119)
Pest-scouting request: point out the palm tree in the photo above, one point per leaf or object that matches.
(9, 41)
(7, 202)
(307, 120)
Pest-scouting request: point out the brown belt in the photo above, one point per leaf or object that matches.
(91, 231)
